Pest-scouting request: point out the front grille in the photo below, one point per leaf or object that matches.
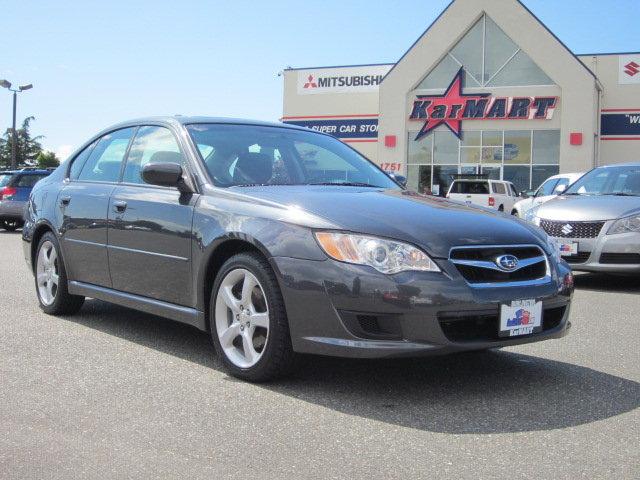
(580, 257)
(620, 258)
(477, 265)
(484, 327)
(571, 229)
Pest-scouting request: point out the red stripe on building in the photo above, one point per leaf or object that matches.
(620, 138)
(620, 110)
(368, 115)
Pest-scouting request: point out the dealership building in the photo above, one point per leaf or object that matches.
(486, 89)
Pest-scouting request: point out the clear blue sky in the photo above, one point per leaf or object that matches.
(96, 63)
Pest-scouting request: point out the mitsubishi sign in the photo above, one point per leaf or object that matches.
(341, 80)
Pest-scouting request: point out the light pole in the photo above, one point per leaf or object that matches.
(14, 134)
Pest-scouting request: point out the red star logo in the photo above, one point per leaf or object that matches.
(446, 109)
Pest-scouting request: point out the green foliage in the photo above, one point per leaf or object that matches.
(28, 147)
(47, 159)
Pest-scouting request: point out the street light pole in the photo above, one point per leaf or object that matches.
(14, 133)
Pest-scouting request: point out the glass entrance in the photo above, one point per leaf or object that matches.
(493, 171)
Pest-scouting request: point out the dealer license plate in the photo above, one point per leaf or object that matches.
(567, 249)
(521, 317)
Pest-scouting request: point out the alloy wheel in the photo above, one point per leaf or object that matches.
(47, 273)
(242, 317)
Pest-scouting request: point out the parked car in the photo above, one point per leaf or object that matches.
(15, 187)
(497, 194)
(596, 221)
(549, 189)
(220, 224)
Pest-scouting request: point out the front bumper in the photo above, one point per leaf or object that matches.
(619, 253)
(347, 310)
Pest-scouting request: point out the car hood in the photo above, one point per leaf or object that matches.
(434, 223)
(588, 207)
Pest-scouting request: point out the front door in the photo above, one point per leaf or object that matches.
(83, 204)
(150, 235)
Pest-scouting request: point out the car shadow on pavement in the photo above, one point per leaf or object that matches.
(477, 393)
(602, 282)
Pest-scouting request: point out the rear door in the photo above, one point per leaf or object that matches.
(150, 228)
(84, 203)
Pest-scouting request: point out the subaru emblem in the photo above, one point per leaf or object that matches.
(507, 262)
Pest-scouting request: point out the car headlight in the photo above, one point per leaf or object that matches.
(625, 225)
(386, 256)
(531, 215)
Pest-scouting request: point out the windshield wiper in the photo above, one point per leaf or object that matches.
(622, 194)
(347, 184)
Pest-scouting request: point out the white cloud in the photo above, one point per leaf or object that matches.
(63, 151)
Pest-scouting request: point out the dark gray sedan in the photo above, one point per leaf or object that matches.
(276, 239)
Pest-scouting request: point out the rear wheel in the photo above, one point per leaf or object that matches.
(515, 213)
(51, 279)
(248, 323)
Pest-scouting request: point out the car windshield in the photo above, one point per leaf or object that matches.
(623, 180)
(5, 179)
(245, 155)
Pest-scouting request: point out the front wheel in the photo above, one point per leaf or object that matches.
(51, 279)
(249, 324)
(515, 213)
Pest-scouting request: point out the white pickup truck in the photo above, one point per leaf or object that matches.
(498, 194)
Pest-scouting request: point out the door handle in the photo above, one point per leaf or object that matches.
(119, 206)
(64, 201)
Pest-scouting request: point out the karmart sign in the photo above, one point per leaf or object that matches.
(454, 106)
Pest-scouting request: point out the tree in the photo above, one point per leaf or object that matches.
(47, 159)
(27, 148)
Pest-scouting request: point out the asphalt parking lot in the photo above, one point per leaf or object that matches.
(112, 393)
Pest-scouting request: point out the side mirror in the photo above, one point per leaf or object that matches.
(559, 189)
(401, 179)
(165, 175)
(527, 193)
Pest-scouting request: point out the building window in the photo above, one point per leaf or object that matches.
(489, 58)
(524, 157)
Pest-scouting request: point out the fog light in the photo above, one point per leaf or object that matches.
(567, 282)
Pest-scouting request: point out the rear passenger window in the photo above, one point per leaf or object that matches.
(79, 160)
(499, 188)
(105, 160)
(151, 145)
(470, 188)
(28, 181)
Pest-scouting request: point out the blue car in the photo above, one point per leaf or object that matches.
(15, 187)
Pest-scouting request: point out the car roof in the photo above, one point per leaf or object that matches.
(37, 171)
(187, 120)
(625, 164)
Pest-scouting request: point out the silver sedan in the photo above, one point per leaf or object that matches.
(596, 222)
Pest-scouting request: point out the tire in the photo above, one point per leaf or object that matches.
(232, 310)
(515, 213)
(10, 225)
(501, 208)
(49, 265)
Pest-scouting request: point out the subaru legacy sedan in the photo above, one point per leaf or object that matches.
(596, 221)
(277, 240)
